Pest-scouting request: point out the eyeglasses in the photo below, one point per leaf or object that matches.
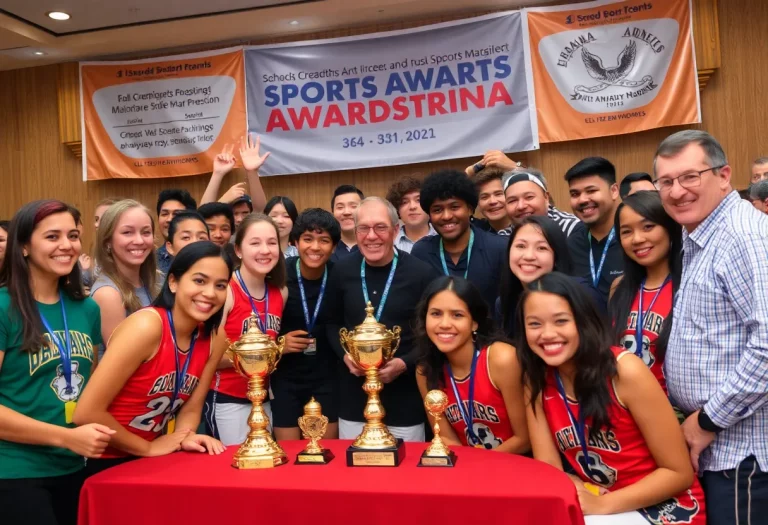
(690, 179)
(379, 229)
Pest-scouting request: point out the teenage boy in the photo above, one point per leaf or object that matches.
(346, 198)
(169, 203)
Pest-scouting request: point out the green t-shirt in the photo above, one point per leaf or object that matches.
(32, 383)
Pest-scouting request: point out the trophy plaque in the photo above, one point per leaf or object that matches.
(437, 454)
(255, 356)
(313, 425)
(371, 345)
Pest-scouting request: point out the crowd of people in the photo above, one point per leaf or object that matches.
(625, 344)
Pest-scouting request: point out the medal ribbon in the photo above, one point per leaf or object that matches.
(467, 415)
(469, 253)
(579, 425)
(596, 275)
(641, 315)
(386, 286)
(179, 379)
(65, 349)
(311, 322)
(262, 322)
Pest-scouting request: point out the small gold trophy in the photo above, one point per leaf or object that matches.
(313, 425)
(437, 454)
(370, 346)
(255, 356)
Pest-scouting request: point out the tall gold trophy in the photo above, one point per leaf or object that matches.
(370, 346)
(255, 356)
(437, 453)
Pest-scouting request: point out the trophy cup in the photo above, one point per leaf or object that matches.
(437, 453)
(313, 425)
(255, 356)
(370, 346)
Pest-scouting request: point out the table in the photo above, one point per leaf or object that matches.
(484, 487)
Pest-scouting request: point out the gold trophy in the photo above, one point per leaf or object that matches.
(255, 356)
(370, 346)
(313, 425)
(437, 453)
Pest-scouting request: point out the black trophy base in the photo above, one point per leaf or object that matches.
(323, 458)
(381, 457)
(438, 461)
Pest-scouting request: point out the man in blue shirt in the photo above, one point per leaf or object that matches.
(460, 249)
(717, 356)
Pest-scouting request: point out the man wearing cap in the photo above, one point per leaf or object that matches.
(525, 194)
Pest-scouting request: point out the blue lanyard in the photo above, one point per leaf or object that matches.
(311, 322)
(468, 414)
(578, 425)
(386, 286)
(641, 314)
(596, 275)
(65, 349)
(262, 322)
(180, 375)
(469, 254)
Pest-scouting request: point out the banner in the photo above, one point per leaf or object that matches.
(607, 68)
(442, 91)
(164, 117)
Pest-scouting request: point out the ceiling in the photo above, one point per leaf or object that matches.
(134, 28)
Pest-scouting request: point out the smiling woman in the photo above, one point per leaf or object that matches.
(126, 259)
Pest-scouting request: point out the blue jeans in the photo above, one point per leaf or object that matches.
(738, 496)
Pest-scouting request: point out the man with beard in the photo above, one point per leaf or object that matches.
(525, 193)
(594, 245)
(491, 202)
(459, 248)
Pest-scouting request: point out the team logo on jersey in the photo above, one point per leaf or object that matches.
(59, 383)
(671, 511)
(595, 469)
(273, 323)
(629, 344)
(485, 435)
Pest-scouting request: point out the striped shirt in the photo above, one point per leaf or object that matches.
(717, 356)
(566, 221)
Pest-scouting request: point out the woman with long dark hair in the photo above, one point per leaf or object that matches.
(601, 408)
(48, 337)
(283, 212)
(155, 377)
(460, 354)
(641, 299)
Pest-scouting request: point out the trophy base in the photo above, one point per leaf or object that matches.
(323, 458)
(254, 462)
(438, 461)
(372, 457)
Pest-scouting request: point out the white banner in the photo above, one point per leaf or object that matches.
(442, 91)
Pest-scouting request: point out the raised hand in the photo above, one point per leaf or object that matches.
(224, 161)
(249, 152)
(233, 193)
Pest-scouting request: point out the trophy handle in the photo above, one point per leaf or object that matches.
(343, 337)
(395, 341)
(280, 349)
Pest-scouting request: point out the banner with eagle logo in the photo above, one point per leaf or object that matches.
(607, 68)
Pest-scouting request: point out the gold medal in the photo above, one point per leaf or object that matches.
(479, 445)
(69, 411)
(171, 426)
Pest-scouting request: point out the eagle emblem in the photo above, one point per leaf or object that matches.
(611, 76)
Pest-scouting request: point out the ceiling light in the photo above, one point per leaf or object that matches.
(294, 22)
(39, 53)
(58, 15)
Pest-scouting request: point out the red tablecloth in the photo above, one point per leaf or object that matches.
(484, 487)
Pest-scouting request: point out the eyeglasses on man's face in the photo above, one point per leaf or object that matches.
(378, 229)
(689, 179)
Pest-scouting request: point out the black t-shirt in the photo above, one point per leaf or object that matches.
(346, 305)
(581, 250)
(301, 367)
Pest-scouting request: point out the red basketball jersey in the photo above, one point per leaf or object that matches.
(652, 322)
(142, 404)
(618, 457)
(228, 381)
(491, 421)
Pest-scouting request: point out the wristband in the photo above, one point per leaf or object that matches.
(706, 423)
(478, 167)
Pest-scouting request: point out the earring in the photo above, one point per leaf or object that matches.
(474, 336)
(109, 248)
(25, 254)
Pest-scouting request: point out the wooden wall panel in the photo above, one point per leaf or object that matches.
(37, 165)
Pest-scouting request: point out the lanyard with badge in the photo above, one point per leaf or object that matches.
(579, 426)
(641, 315)
(469, 254)
(65, 351)
(262, 322)
(385, 294)
(596, 274)
(181, 372)
(310, 322)
(468, 412)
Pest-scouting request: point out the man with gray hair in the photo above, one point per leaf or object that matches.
(393, 282)
(717, 356)
(759, 170)
(758, 195)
